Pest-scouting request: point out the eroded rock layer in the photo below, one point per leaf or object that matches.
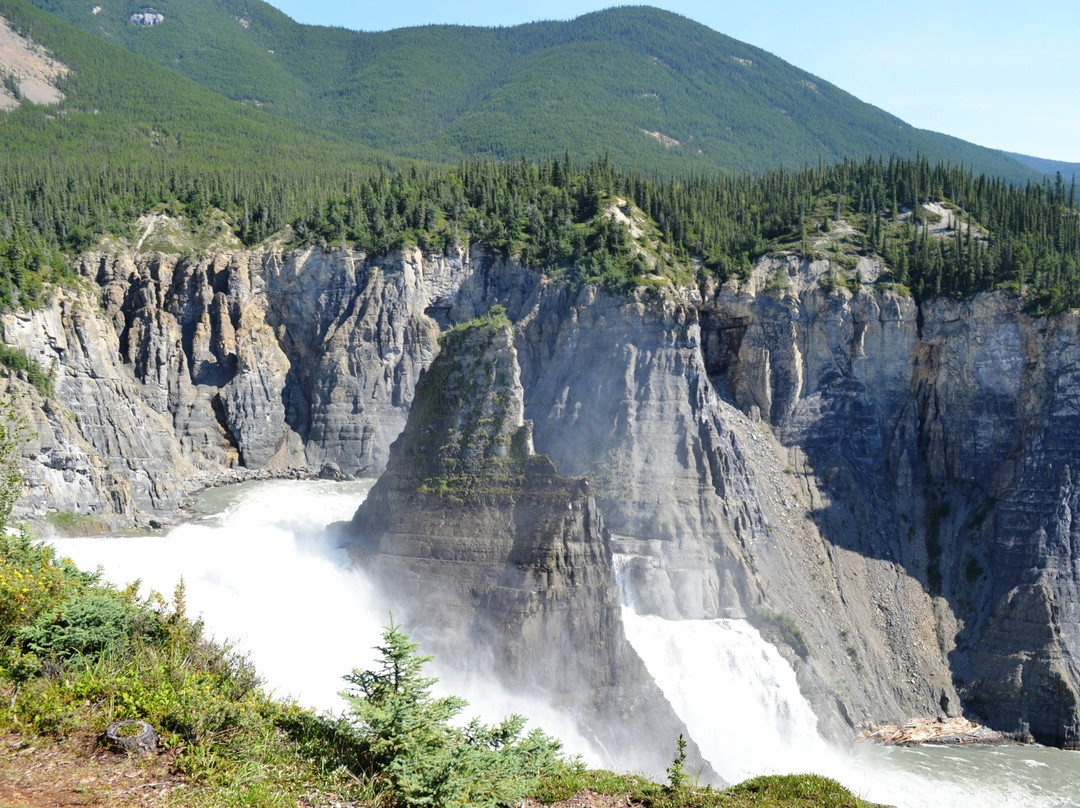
(499, 561)
(886, 491)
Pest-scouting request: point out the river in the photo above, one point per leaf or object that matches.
(259, 570)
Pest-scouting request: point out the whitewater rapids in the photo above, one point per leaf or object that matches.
(258, 568)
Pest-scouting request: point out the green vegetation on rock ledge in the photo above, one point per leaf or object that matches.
(474, 446)
(16, 360)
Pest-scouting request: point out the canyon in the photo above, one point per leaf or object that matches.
(883, 489)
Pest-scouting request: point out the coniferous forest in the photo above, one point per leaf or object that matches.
(119, 147)
(553, 215)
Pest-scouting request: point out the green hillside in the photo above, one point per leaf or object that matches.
(130, 136)
(126, 109)
(1049, 167)
(650, 88)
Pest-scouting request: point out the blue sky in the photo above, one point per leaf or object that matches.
(1001, 74)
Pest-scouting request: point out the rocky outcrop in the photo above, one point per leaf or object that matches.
(951, 732)
(498, 560)
(181, 371)
(886, 491)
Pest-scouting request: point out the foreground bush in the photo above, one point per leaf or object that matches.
(409, 746)
(76, 655)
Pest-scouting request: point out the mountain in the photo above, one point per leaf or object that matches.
(121, 107)
(1049, 167)
(652, 89)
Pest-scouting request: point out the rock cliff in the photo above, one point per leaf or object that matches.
(885, 490)
(718, 509)
(934, 448)
(177, 371)
(499, 561)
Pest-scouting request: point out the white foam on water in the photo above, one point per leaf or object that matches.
(260, 570)
(741, 702)
(263, 577)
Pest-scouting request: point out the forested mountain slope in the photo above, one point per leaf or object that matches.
(1050, 167)
(651, 88)
(121, 107)
(128, 134)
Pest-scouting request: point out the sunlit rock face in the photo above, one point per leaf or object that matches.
(887, 491)
(723, 509)
(177, 371)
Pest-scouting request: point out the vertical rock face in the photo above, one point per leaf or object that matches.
(270, 361)
(498, 559)
(830, 376)
(1001, 436)
(117, 455)
(887, 492)
(718, 511)
(70, 476)
(936, 455)
(193, 370)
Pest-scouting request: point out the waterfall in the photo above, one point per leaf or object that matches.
(736, 694)
(258, 568)
(741, 703)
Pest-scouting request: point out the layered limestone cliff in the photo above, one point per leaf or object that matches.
(177, 370)
(934, 450)
(497, 560)
(721, 513)
(886, 491)
(997, 397)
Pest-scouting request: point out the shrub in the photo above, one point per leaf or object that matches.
(85, 625)
(677, 776)
(17, 359)
(30, 581)
(423, 760)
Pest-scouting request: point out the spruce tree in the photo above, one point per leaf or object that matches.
(411, 746)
